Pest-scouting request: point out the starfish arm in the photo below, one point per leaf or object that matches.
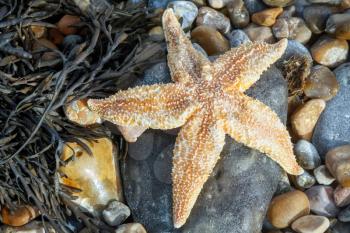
(241, 67)
(159, 106)
(254, 124)
(196, 152)
(183, 60)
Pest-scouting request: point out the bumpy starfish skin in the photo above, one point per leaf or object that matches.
(208, 100)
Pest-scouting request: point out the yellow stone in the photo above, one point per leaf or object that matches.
(267, 17)
(96, 175)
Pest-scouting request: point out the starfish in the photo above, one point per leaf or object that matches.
(208, 100)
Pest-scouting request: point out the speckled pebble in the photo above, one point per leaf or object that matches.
(306, 154)
(304, 181)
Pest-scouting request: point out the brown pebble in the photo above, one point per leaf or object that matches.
(305, 118)
(267, 17)
(210, 40)
(311, 224)
(338, 164)
(66, 24)
(55, 36)
(287, 207)
(19, 216)
(38, 31)
(342, 196)
(259, 33)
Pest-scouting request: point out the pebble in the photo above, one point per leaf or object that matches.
(238, 13)
(131, 228)
(333, 127)
(238, 37)
(97, 176)
(38, 31)
(254, 6)
(316, 17)
(115, 213)
(185, 10)
(330, 51)
(338, 164)
(292, 28)
(330, 2)
(218, 4)
(342, 196)
(287, 207)
(339, 25)
(322, 201)
(288, 12)
(283, 185)
(44, 44)
(19, 216)
(344, 215)
(156, 33)
(77, 111)
(306, 155)
(303, 120)
(340, 227)
(321, 83)
(210, 40)
(303, 181)
(67, 23)
(259, 33)
(267, 17)
(55, 36)
(32, 227)
(212, 18)
(323, 176)
(280, 3)
(311, 224)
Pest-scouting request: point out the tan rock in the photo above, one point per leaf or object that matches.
(341, 196)
(267, 17)
(20, 216)
(210, 40)
(38, 31)
(67, 24)
(338, 164)
(311, 224)
(96, 175)
(77, 111)
(131, 228)
(287, 207)
(259, 33)
(305, 118)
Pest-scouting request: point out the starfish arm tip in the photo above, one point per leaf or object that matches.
(178, 223)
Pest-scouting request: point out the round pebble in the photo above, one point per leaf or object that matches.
(338, 163)
(316, 17)
(342, 196)
(292, 28)
(304, 119)
(185, 10)
(287, 207)
(38, 31)
(238, 37)
(267, 17)
(115, 213)
(212, 18)
(210, 40)
(303, 181)
(259, 33)
(306, 155)
(218, 4)
(339, 25)
(280, 3)
(321, 83)
(254, 6)
(322, 201)
(323, 176)
(311, 224)
(18, 217)
(238, 13)
(330, 51)
(67, 23)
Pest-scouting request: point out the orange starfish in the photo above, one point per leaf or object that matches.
(208, 100)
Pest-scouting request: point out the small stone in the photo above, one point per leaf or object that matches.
(238, 37)
(339, 25)
(304, 120)
(292, 28)
(345, 4)
(330, 51)
(32, 227)
(115, 213)
(311, 224)
(323, 176)
(19, 216)
(38, 31)
(342, 196)
(210, 40)
(218, 4)
(316, 17)
(254, 6)
(199, 3)
(306, 155)
(131, 228)
(185, 10)
(321, 83)
(280, 3)
(156, 33)
(55, 36)
(212, 18)
(287, 207)
(288, 12)
(67, 24)
(338, 164)
(267, 17)
(344, 215)
(283, 185)
(303, 181)
(77, 111)
(322, 201)
(259, 33)
(238, 13)
(96, 175)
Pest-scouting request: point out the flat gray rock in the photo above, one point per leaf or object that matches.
(237, 194)
(333, 127)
